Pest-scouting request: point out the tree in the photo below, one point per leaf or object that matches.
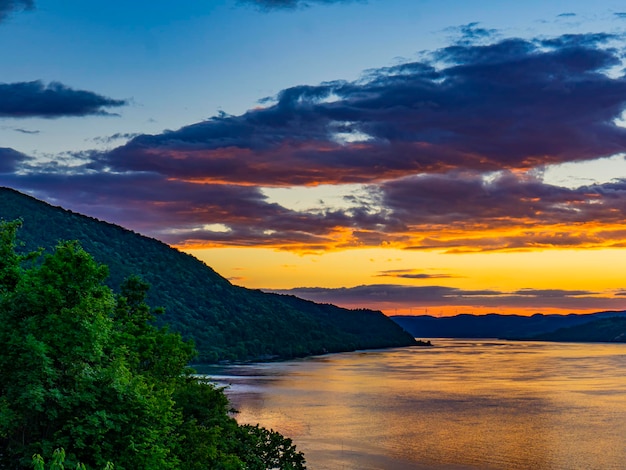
(58, 462)
(66, 382)
(85, 370)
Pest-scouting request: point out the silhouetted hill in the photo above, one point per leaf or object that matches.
(226, 322)
(494, 325)
(605, 330)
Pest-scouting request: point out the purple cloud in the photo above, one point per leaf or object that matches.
(458, 211)
(144, 201)
(385, 296)
(464, 198)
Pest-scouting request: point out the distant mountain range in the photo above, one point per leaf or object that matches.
(596, 327)
(225, 321)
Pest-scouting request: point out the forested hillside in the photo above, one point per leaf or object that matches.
(85, 371)
(225, 321)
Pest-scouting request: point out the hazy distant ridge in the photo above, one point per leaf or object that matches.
(538, 326)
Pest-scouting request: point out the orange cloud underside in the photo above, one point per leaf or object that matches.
(456, 239)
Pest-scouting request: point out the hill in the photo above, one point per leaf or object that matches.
(605, 330)
(225, 321)
(495, 325)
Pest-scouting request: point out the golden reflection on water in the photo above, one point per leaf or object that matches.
(461, 405)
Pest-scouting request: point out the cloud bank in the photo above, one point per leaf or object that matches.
(386, 296)
(448, 152)
(514, 104)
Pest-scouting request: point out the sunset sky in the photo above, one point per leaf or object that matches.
(413, 156)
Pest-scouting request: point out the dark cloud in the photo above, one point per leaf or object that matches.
(10, 160)
(511, 104)
(9, 6)
(465, 198)
(553, 293)
(378, 294)
(566, 15)
(35, 99)
(26, 131)
(412, 274)
(385, 296)
(620, 14)
(268, 5)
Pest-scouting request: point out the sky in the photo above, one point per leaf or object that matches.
(439, 157)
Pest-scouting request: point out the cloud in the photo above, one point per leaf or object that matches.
(269, 5)
(10, 160)
(471, 33)
(449, 152)
(35, 99)
(9, 6)
(412, 274)
(26, 131)
(143, 201)
(451, 212)
(117, 136)
(386, 296)
(464, 198)
(552, 293)
(468, 211)
(512, 104)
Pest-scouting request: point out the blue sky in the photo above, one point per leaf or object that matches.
(267, 136)
(180, 62)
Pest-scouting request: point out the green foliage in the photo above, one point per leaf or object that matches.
(263, 449)
(58, 461)
(226, 322)
(216, 441)
(85, 370)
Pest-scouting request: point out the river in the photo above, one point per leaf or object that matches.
(462, 404)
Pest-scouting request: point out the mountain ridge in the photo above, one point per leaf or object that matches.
(537, 326)
(227, 322)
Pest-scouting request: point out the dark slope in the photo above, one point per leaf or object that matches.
(494, 325)
(225, 321)
(605, 330)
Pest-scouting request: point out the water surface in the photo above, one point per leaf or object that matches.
(463, 404)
